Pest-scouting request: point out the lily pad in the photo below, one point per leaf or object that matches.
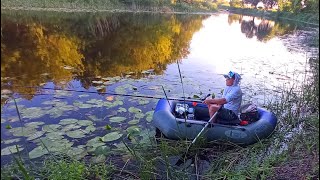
(13, 107)
(38, 152)
(68, 121)
(70, 127)
(121, 109)
(34, 124)
(10, 150)
(135, 121)
(50, 127)
(55, 135)
(94, 101)
(95, 142)
(60, 93)
(118, 103)
(134, 110)
(120, 90)
(23, 131)
(149, 116)
(139, 115)
(82, 105)
(55, 145)
(133, 130)
(85, 122)
(32, 112)
(35, 135)
(108, 104)
(90, 129)
(94, 118)
(117, 119)
(76, 134)
(144, 101)
(9, 141)
(111, 136)
(55, 112)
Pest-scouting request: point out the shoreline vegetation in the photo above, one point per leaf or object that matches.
(164, 6)
(292, 152)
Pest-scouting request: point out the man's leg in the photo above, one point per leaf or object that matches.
(213, 108)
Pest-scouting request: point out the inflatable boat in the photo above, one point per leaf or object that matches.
(173, 122)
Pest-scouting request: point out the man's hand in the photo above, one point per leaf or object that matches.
(208, 101)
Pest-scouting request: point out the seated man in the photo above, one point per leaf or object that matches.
(229, 104)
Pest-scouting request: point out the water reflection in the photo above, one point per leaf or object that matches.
(260, 28)
(35, 50)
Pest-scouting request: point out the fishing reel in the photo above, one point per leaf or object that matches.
(183, 110)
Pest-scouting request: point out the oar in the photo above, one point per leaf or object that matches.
(181, 160)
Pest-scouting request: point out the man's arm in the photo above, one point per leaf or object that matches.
(219, 101)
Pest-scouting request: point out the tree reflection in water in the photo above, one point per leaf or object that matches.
(57, 48)
(260, 28)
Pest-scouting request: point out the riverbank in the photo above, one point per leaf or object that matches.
(154, 7)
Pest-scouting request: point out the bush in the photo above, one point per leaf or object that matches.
(236, 3)
(210, 5)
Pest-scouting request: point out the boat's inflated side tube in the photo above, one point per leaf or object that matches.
(264, 127)
(164, 120)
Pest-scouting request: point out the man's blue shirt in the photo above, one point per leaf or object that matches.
(233, 95)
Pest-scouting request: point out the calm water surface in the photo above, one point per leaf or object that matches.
(133, 54)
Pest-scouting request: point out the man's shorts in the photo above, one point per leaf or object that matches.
(226, 116)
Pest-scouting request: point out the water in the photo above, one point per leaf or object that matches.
(134, 54)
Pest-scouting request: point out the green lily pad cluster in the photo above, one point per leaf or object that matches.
(123, 89)
(97, 103)
(61, 137)
(51, 137)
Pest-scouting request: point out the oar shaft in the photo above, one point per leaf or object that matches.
(202, 130)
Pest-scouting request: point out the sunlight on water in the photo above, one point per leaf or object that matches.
(219, 47)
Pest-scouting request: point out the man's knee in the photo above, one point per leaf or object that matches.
(214, 107)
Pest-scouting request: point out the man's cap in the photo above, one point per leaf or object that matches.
(230, 75)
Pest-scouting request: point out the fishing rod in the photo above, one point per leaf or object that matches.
(110, 93)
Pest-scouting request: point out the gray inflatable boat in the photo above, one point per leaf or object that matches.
(172, 125)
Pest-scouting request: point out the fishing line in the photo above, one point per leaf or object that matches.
(108, 93)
